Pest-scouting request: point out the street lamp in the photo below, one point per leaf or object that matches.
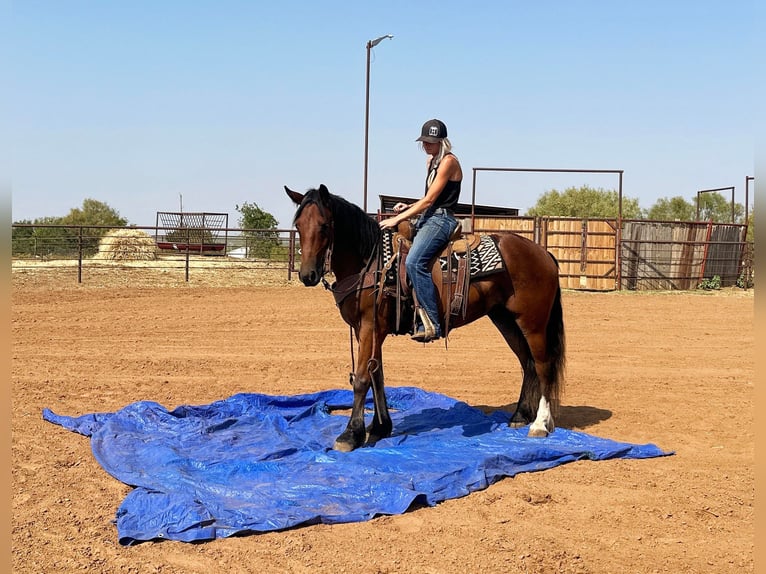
(370, 45)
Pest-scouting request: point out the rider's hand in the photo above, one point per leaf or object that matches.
(399, 207)
(390, 223)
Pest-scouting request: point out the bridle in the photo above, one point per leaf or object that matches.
(329, 229)
(326, 265)
(367, 278)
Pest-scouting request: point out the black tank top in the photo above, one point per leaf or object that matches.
(449, 196)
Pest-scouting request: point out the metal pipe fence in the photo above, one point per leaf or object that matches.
(92, 249)
(592, 255)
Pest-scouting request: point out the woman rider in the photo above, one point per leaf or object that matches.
(434, 226)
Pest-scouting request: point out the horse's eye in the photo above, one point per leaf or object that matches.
(325, 229)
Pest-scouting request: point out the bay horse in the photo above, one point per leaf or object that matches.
(523, 301)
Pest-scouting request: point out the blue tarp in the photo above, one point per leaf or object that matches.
(257, 463)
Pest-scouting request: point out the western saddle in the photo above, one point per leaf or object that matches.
(455, 263)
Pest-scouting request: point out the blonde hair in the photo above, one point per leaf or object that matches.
(445, 147)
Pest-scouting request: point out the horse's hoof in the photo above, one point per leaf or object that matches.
(373, 438)
(375, 433)
(343, 446)
(348, 440)
(517, 425)
(537, 433)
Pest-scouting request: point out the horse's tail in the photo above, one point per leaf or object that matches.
(556, 349)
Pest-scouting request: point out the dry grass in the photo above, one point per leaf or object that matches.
(126, 245)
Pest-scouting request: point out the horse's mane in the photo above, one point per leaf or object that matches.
(353, 227)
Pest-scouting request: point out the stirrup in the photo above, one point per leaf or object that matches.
(422, 337)
(429, 331)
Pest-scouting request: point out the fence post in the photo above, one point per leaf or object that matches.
(188, 246)
(79, 255)
(583, 254)
(291, 256)
(705, 251)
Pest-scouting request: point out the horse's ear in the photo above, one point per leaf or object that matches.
(294, 195)
(324, 193)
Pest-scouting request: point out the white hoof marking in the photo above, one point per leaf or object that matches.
(543, 424)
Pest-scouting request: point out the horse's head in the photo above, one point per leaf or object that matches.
(314, 222)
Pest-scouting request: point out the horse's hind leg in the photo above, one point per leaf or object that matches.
(547, 343)
(538, 389)
(543, 425)
(529, 397)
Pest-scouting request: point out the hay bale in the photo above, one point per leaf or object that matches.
(127, 245)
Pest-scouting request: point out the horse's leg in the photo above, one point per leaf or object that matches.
(354, 435)
(369, 371)
(381, 425)
(529, 397)
(543, 425)
(547, 343)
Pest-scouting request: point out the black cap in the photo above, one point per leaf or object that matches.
(433, 131)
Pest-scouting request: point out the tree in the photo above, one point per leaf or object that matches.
(44, 239)
(253, 217)
(675, 208)
(97, 218)
(23, 240)
(94, 212)
(585, 202)
(259, 228)
(715, 207)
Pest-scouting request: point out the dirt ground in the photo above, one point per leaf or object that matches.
(674, 369)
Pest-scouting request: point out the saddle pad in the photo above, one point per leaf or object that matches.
(485, 259)
(388, 246)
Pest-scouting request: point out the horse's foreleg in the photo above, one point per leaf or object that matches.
(381, 425)
(369, 372)
(354, 435)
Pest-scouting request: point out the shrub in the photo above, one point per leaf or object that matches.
(710, 284)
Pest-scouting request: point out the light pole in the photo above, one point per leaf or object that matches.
(370, 45)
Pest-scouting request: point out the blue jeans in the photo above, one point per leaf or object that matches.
(432, 232)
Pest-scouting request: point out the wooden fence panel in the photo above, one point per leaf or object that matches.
(600, 256)
(585, 249)
(725, 253)
(524, 226)
(564, 239)
(653, 255)
(680, 255)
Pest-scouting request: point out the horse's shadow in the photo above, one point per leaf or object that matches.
(473, 421)
(479, 419)
(569, 417)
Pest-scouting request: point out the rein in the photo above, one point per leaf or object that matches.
(368, 278)
(365, 279)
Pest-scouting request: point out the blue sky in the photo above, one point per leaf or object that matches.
(153, 105)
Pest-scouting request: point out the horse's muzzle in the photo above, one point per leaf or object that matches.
(310, 278)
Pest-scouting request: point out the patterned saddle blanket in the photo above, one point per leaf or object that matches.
(484, 256)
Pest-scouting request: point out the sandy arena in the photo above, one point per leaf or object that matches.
(667, 368)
